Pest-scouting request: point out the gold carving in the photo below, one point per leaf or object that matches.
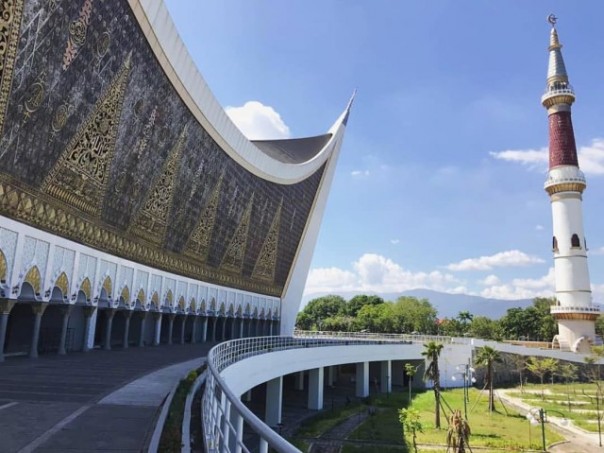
(181, 303)
(125, 295)
(79, 178)
(63, 284)
(34, 279)
(267, 259)
(233, 258)
(155, 301)
(102, 45)
(193, 306)
(169, 298)
(107, 286)
(565, 187)
(141, 296)
(202, 307)
(3, 267)
(152, 220)
(86, 288)
(199, 242)
(59, 119)
(77, 34)
(35, 96)
(11, 12)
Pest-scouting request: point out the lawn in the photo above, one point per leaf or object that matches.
(503, 429)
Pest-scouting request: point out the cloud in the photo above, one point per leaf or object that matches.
(378, 274)
(539, 227)
(395, 241)
(591, 158)
(490, 280)
(523, 288)
(510, 258)
(258, 121)
(359, 173)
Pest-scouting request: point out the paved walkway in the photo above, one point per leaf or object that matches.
(97, 401)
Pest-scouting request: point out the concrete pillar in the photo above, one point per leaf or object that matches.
(65, 310)
(386, 376)
(182, 329)
(194, 330)
(110, 313)
(88, 312)
(5, 307)
(299, 381)
(315, 389)
(204, 330)
(274, 399)
(214, 321)
(362, 387)
(270, 328)
(331, 375)
(38, 309)
(171, 327)
(127, 316)
(141, 337)
(241, 322)
(157, 316)
(224, 332)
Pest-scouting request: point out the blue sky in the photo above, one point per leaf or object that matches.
(440, 180)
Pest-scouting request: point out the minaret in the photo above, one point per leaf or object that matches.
(574, 311)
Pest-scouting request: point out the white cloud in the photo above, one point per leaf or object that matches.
(258, 121)
(394, 241)
(378, 274)
(539, 227)
(510, 258)
(523, 288)
(490, 280)
(591, 158)
(359, 173)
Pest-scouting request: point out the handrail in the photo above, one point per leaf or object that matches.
(220, 432)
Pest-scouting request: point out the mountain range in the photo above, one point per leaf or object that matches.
(447, 305)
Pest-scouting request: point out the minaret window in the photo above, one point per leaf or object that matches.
(575, 242)
(554, 244)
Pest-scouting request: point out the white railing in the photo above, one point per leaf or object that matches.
(580, 309)
(224, 415)
(398, 337)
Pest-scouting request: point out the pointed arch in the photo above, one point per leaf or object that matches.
(222, 309)
(62, 282)
(169, 298)
(34, 278)
(155, 301)
(193, 305)
(141, 296)
(213, 304)
(86, 288)
(125, 295)
(202, 307)
(181, 303)
(3, 267)
(231, 311)
(248, 309)
(108, 286)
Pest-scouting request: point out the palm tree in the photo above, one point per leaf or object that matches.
(458, 434)
(487, 356)
(432, 352)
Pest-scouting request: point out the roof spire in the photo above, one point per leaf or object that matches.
(558, 89)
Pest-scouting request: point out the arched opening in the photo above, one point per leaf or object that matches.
(554, 244)
(575, 242)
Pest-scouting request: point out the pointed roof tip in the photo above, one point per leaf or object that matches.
(348, 107)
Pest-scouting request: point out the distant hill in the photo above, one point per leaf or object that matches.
(447, 305)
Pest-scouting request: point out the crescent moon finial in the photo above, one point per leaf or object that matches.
(552, 19)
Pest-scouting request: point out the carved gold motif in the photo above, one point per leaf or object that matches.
(86, 288)
(3, 267)
(107, 286)
(152, 220)
(102, 45)
(59, 118)
(235, 253)
(141, 296)
(79, 178)
(63, 284)
(125, 295)
(35, 96)
(193, 305)
(77, 34)
(267, 259)
(34, 279)
(11, 12)
(199, 243)
(155, 300)
(170, 298)
(181, 303)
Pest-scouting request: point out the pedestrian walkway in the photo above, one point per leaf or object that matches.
(95, 401)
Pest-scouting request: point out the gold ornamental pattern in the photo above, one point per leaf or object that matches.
(199, 243)
(235, 253)
(152, 220)
(80, 176)
(11, 12)
(267, 259)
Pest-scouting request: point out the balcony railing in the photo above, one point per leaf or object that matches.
(579, 309)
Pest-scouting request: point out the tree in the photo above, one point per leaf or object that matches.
(410, 421)
(485, 328)
(518, 362)
(432, 352)
(322, 308)
(458, 434)
(465, 317)
(487, 357)
(414, 315)
(569, 373)
(357, 302)
(410, 371)
(540, 368)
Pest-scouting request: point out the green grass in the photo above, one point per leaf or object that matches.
(324, 421)
(498, 430)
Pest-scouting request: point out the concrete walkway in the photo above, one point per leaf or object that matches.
(98, 401)
(579, 441)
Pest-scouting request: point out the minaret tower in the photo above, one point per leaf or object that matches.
(574, 311)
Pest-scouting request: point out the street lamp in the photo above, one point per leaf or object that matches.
(539, 415)
(466, 374)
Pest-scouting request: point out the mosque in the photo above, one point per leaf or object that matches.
(133, 212)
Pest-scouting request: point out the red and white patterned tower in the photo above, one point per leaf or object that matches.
(574, 310)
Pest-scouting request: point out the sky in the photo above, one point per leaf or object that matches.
(439, 183)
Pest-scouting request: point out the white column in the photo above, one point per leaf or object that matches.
(299, 382)
(127, 316)
(386, 376)
(362, 387)
(315, 389)
(38, 309)
(194, 330)
(204, 330)
(65, 310)
(157, 338)
(90, 314)
(109, 313)
(274, 399)
(171, 327)
(331, 375)
(141, 338)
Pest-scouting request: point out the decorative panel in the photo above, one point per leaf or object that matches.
(8, 245)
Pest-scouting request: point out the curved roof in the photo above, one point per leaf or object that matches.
(172, 54)
(294, 150)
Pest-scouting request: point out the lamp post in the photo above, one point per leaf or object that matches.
(467, 378)
(539, 415)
